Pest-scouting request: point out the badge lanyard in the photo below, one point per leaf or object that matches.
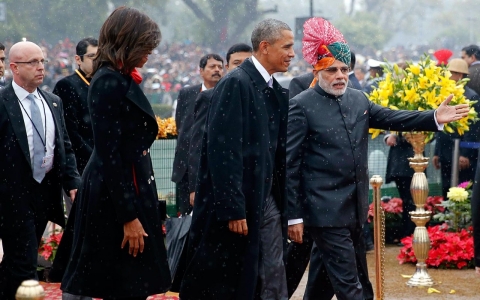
(33, 124)
(81, 76)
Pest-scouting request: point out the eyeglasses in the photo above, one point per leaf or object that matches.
(334, 70)
(89, 55)
(33, 63)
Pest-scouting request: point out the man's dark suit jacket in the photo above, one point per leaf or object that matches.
(299, 84)
(353, 82)
(16, 195)
(474, 76)
(197, 131)
(184, 121)
(327, 150)
(74, 91)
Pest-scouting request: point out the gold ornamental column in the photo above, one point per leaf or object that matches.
(30, 290)
(379, 237)
(419, 191)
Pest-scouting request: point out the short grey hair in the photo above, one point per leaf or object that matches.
(269, 30)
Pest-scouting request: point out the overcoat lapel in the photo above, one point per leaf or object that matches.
(136, 95)
(16, 118)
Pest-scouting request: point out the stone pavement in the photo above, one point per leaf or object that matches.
(464, 283)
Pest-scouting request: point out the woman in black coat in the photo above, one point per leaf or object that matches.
(118, 250)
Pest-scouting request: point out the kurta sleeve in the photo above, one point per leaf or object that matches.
(296, 132)
(105, 98)
(225, 149)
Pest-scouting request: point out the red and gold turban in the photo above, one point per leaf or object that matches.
(323, 44)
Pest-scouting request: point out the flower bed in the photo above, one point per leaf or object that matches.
(450, 250)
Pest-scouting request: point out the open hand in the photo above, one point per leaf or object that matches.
(447, 113)
(133, 233)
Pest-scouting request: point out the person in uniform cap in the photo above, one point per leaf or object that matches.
(327, 167)
(442, 158)
(375, 69)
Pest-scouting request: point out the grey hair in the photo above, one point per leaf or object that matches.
(269, 30)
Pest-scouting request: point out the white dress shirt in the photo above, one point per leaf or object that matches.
(261, 69)
(25, 108)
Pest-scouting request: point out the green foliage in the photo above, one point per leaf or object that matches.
(162, 110)
(362, 31)
(55, 20)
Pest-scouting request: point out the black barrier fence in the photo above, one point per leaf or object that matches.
(163, 152)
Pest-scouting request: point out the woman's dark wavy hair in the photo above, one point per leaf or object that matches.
(125, 38)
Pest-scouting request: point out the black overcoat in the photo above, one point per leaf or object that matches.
(118, 185)
(327, 153)
(16, 193)
(232, 184)
(74, 91)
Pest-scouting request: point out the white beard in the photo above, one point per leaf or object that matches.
(329, 88)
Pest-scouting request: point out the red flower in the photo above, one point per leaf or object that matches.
(449, 249)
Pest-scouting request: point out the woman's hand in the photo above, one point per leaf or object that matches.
(133, 233)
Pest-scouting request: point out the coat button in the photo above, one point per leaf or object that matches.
(145, 123)
(149, 181)
(144, 152)
(152, 178)
(148, 150)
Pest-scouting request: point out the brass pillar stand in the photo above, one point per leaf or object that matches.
(419, 190)
(379, 237)
(30, 290)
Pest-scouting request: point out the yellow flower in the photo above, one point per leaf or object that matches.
(457, 194)
(415, 69)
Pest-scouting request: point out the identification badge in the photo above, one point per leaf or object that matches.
(47, 162)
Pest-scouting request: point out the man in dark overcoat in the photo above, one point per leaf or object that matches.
(33, 170)
(327, 163)
(73, 90)
(235, 57)
(239, 223)
(211, 70)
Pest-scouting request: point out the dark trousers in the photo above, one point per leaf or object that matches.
(21, 238)
(340, 265)
(403, 186)
(297, 258)
(20, 250)
(271, 283)
(183, 197)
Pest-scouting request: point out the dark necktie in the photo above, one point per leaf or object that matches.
(38, 140)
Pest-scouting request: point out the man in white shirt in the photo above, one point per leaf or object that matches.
(37, 161)
(239, 223)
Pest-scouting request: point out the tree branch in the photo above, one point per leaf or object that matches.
(198, 12)
(251, 14)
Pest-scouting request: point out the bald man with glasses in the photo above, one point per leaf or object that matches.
(37, 161)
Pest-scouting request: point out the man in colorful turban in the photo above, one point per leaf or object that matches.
(327, 167)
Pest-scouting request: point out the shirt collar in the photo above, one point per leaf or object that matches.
(475, 63)
(204, 88)
(22, 93)
(261, 69)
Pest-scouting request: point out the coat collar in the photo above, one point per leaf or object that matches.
(136, 95)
